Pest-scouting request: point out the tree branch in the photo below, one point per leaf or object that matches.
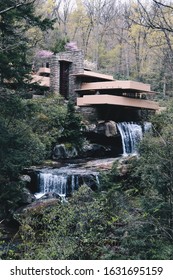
(155, 20)
(15, 7)
(162, 4)
(10, 8)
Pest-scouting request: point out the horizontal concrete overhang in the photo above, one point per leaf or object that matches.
(94, 75)
(116, 85)
(43, 70)
(65, 60)
(42, 81)
(87, 100)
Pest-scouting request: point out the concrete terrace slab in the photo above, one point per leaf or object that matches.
(88, 100)
(43, 70)
(41, 80)
(124, 85)
(90, 74)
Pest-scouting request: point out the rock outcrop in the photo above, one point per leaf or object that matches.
(62, 151)
(94, 150)
(108, 129)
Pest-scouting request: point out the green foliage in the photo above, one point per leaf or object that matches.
(59, 45)
(108, 225)
(72, 127)
(117, 223)
(148, 185)
(46, 117)
(19, 148)
(130, 218)
(14, 42)
(16, 137)
(29, 129)
(54, 122)
(79, 229)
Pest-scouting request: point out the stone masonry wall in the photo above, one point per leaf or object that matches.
(89, 114)
(76, 65)
(54, 74)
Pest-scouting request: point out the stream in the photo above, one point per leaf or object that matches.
(65, 180)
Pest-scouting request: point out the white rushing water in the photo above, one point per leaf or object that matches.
(64, 181)
(52, 183)
(131, 135)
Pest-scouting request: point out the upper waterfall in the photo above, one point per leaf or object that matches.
(131, 135)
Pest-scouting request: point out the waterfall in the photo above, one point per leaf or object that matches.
(60, 184)
(74, 183)
(97, 180)
(131, 135)
(63, 184)
(50, 183)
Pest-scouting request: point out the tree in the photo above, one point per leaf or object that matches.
(130, 218)
(151, 176)
(157, 15)
(118, 223)
(83, 228)
(100, 18)
(19, 145)
(46, 117)
(15, 20)
(72, 132)
(19, 148)
(62, 12)
(14, 5)
(80, 26)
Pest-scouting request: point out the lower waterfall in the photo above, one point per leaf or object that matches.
(131, 135)
(64, 181)
(49, 183)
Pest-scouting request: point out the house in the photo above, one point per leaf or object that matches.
(67, 74)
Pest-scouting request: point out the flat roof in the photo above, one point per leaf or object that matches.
(116, 100)
(94, 75)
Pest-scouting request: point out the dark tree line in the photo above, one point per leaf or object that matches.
(16, 18)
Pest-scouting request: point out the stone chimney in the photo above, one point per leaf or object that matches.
(74, 63)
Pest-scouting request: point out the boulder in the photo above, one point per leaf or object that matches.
(124, 164)
(90, 127)
(25, 178)
(108, 129)
(27, 196)
(63, 151)
(94, 150)
(35, 206)
(71, 152)
(59, 152)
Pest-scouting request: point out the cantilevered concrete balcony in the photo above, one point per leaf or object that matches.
(43, 70)
(42, 77)
(91, 74)
(88, 100)
(116, 85)
(41, 80)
